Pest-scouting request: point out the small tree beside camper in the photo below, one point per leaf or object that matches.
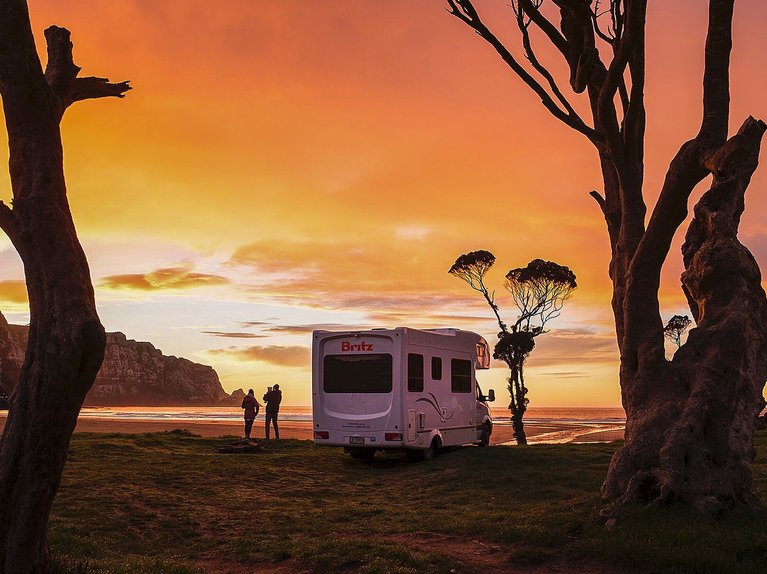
(539, 292)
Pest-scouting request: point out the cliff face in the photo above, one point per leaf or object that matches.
(133, 373)
(13, 343)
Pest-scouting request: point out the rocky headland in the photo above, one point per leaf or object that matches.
(133, 374)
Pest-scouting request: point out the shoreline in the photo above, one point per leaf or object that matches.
(550, 433)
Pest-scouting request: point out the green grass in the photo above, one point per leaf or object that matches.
(168, 503)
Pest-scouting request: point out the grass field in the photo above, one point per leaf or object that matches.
(169, 503)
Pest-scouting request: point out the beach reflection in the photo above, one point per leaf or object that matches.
(544, 425)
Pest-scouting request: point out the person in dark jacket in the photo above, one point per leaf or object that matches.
(251, 406)
(273, 398)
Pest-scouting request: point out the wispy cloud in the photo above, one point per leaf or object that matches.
(339, 274)
(574, 346)
(392, 281)
(564, 374)
(13, 291)
(284, 356)
(234, 335)
(179, 277)
(306, 329)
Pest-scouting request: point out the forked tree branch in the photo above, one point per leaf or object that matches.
(630, 43)
(540, 68)
(691, 164)
(61, 73)
(612, 38)
(465, 11)
(556, 38)
(609, 36)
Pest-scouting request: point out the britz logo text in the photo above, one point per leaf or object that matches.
(347, 346)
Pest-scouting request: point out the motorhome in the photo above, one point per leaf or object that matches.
(407, 389)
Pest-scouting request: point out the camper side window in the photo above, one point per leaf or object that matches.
(460, 376)
(415, 373)
(436, 368)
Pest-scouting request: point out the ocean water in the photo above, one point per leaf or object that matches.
(543, 424)
(534, 415)
(554, 425)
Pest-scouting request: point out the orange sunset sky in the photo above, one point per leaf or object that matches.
(285, 165)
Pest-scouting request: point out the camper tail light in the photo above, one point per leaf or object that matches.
(321, 434)
(393, 436)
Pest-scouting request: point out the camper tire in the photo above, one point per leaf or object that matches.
(431, 452)
(361, 453)
(425, 454)
(484, 438)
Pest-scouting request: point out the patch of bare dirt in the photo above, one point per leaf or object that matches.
(476, 556)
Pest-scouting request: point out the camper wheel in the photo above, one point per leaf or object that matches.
(361, 453)
(430, 452)
(426, 454)
(484, 438)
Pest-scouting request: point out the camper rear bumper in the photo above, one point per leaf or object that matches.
(360, 439)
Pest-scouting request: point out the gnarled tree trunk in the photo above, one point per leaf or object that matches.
(690, 421)
(66, 339)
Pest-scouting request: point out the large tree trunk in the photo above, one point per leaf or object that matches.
(690, 422)
(518, 406)
(65, 349)
(66, 340)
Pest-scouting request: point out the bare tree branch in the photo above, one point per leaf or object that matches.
(465, 11)
(61, 73)
(533, 59)
(630, 42)
(616, 15)
(598, 198)
(556, 38)
(609, 36)
(716, 76)
(691, 163)
(93, 87)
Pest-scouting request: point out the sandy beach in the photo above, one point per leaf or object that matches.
(302, 430)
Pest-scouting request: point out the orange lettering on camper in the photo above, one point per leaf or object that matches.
(346, 346)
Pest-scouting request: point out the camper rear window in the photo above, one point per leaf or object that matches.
(357, 374)
(460, 376)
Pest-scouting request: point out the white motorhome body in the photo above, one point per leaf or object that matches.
(399, 389)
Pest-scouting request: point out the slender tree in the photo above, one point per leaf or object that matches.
(690, 421)
(66, 338)
(676, 327)
(539, 292)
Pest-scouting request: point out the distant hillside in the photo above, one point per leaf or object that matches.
(133, 373)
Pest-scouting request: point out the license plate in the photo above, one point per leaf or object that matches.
(356, 440)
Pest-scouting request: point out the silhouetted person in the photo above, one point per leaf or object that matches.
(272, 398)
(251, 406)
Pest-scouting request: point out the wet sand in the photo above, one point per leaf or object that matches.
(302, 430)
